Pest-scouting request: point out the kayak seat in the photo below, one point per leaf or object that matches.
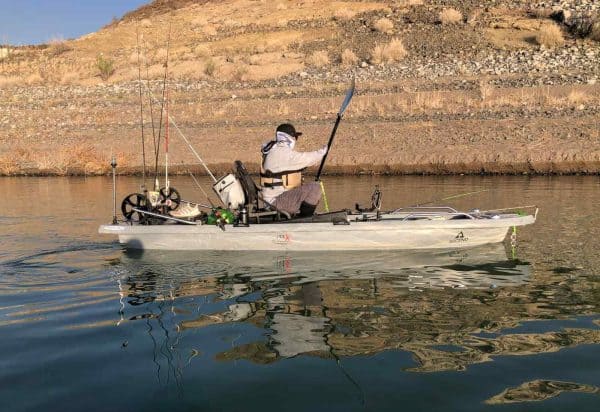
(254, 197)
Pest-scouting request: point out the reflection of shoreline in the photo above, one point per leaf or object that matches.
(447, 309)
(539, 390)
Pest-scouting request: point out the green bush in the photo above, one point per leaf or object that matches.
(105, 66)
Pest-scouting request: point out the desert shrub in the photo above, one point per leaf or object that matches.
(318, 59)
(550, 35)
(210, 67)
(392, 52)
(240, 73)
(58, 47)
(202, 51)
(450, 16)
(384, 25)
(105, 66)
(348, 58)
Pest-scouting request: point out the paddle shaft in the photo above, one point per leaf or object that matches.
(335, 127)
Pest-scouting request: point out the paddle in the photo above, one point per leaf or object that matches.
(345, 104)
(340, 114)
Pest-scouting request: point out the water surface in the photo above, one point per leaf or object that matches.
(87, 326)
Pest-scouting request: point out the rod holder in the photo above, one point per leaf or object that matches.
(113, 164)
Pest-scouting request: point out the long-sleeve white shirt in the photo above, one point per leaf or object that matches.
(282, 157)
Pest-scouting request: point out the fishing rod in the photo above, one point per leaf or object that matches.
(185, 139)
(202, 189)
(137, 33)
(340, 114)
(150, 99)
(167, 145)
(451, 197)
(162, 107)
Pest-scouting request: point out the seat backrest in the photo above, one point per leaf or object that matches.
(248, 185)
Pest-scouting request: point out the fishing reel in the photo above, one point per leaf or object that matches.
(133, 206)
(169, 198)
(162, 202)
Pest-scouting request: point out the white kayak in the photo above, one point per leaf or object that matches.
(401, 229)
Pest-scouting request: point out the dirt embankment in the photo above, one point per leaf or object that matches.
(442, 87)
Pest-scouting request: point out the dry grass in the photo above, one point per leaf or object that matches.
(240, 73)
(485, 91)
(5, 53)
(474, 17)
(407, 3)
(82, 158)
(577, 97)
(384, 25)
(202, 51)
(72, 78)
(450, 16)
(10, 81)
(198, 21)
(348, 58)
(57, 47)
(595, 30)
(210, 30)
(394, 51)
(344, 14)
(550, 35)
(160, 56)
(34, 79)
(318, 58)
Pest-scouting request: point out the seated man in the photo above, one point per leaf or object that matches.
(281, 178)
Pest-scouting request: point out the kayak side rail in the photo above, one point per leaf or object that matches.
(430, 216)
(174, 219)
(425, 208)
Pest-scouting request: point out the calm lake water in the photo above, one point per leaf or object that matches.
(86, 326)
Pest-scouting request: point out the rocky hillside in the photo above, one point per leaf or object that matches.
(443, 86)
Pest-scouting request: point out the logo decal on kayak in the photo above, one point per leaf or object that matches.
(460, 237)
(283, 238)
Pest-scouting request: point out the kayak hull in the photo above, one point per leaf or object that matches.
(385, 234)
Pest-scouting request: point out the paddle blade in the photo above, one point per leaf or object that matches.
(349, 95)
